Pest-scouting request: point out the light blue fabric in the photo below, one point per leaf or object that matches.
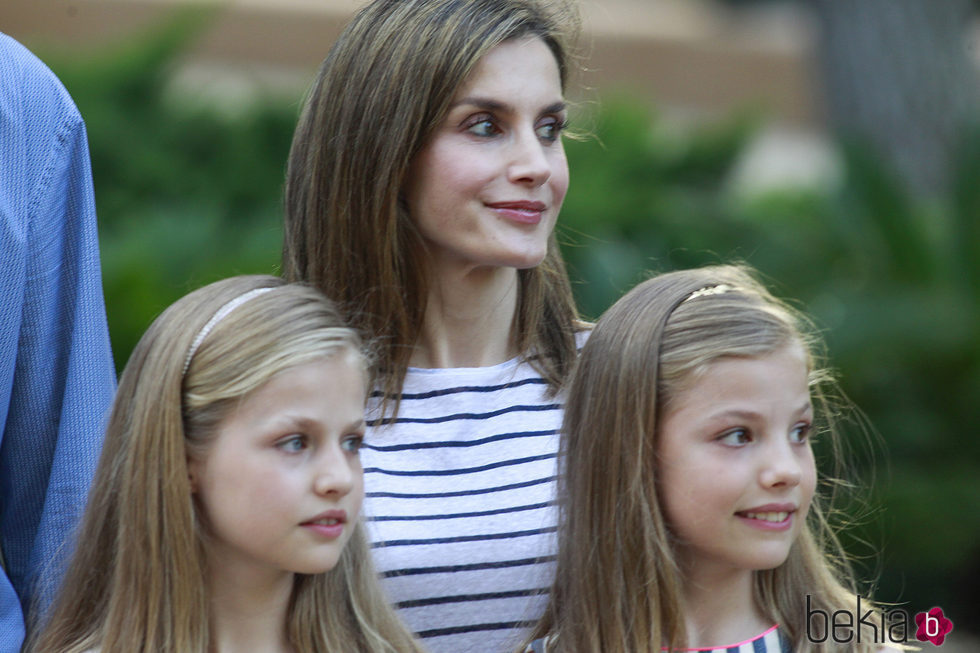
(56, 372)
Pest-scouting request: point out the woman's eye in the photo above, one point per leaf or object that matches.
(800, 433)
(735, 437)
(483, 127)
(352, 443)
(292, 444)
(550, 131)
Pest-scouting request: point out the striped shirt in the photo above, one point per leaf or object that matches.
(460, 503)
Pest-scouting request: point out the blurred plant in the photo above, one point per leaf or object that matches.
(185, 194)
(894, 282)
(644, 195)
(906, 338)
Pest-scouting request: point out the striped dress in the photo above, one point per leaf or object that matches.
(460, 503)
(770, 641)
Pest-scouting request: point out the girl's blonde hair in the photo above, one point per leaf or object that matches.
(618, 586)
(383, 89)
(136, 581)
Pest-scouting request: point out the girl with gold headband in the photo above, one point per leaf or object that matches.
(692, 515)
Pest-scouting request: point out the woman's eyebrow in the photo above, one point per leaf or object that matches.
(488, 104)
(483, 103)
(557, 107)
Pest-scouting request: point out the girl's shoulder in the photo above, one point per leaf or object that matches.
(771, 640)
(541, 645)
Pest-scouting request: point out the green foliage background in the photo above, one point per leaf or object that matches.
(188, 195)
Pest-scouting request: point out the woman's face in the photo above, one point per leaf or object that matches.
(486, 189)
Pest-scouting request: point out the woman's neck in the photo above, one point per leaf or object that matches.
(720, 608)
(469, 319)
(248, 611)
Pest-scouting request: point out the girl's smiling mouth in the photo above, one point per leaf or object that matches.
(770, 517)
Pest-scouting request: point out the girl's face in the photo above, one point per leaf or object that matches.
(736, 470)
(487, 187)
(281, 486)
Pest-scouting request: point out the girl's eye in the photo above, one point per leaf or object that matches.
(800, 433)
(483, 126)
(736, 437)
(352, 443)
(292, 444)
(551, 130)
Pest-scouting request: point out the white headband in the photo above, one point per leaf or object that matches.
(219, 315)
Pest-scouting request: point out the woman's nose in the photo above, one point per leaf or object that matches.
(529, 163)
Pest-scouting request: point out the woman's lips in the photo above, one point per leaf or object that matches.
(522, 212)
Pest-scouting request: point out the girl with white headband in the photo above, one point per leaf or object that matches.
(225, 512)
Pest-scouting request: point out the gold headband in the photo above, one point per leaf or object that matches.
(719, 289)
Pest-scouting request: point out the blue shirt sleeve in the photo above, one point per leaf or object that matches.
(56, 371)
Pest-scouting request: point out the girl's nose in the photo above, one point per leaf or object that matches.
(335, 473)
(782, 467)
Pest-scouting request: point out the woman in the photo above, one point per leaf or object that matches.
(424, 182)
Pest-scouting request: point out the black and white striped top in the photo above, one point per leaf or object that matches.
(460, 504)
